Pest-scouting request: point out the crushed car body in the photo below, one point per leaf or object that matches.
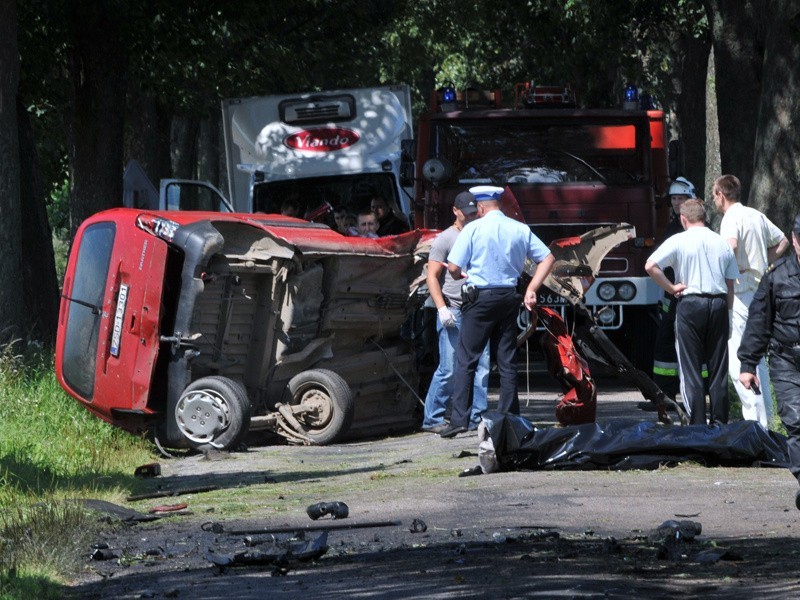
(201, 326)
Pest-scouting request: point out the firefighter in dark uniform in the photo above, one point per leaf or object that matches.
(665, 359)
(773, 324)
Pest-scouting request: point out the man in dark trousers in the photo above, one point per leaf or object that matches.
(705, 269)
(446, 296)
(492, 252)
(665, 358)
(773, 323)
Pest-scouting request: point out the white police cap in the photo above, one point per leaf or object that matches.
(486, 192)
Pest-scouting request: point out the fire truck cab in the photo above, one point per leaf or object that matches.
(570, 170)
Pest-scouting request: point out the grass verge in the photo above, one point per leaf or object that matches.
(52, 451)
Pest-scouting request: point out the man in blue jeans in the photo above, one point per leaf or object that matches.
(446, 295)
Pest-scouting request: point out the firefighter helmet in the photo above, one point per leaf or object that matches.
(682, 187)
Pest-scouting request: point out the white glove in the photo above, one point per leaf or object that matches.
(446, 317)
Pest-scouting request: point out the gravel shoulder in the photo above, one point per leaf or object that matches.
(575, 534)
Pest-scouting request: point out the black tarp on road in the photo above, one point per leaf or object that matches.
(627, 444)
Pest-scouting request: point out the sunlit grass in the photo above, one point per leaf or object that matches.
(52, 451)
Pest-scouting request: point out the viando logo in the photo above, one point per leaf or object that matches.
(322, 139)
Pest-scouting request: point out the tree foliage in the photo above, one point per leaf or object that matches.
(104, 80)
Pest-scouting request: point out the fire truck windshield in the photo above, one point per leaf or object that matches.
(526, 151)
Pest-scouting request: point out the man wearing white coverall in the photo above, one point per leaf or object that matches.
(757, 242)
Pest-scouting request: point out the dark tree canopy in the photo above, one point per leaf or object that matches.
(104, 81)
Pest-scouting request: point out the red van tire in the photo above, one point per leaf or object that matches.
(332, 400)
(213, 411)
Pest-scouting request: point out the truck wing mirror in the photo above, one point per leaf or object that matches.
(408, 150)
(407, 174)
(186, 194)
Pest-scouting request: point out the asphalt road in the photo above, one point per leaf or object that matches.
(568, 534)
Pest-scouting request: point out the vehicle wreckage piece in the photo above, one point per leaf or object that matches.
(576, 266)
(579, 402)
(279, 554)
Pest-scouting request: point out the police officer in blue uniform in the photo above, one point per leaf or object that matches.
(491, 251)
(773, 323)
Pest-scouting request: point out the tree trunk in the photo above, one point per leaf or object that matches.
(208, 150)
(776, 188)
(737, 32)
(691, 67)
(147, 136)
(97, 69)
(222, 163)
(12, 305)
(183, 147)
(39, 279)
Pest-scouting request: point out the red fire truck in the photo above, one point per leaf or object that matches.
(570, 170)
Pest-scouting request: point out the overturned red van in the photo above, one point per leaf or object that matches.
(200, 326)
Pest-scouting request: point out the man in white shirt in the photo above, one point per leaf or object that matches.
(705, 269)
(756, 242)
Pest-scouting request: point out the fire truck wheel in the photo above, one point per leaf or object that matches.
(214, 411)
(327, 402)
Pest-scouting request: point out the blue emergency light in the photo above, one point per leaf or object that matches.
(631, 93)
(448, 93)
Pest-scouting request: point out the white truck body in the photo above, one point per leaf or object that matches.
(305, 138)
(321, 150)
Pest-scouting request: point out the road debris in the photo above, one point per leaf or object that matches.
(418, 526)
(168, 493)
(104, 554)
(219, 528)
(713, 555)
(165, 508)
(148, 470)
(337, 510)
(685, 529)
(279, 554)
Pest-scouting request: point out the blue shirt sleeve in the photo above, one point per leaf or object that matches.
(537, 250)
(461, 250)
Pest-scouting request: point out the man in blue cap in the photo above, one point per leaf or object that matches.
(772, 326)
(492, 252)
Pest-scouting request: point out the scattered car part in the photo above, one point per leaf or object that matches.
(168, 493)
(219, 528)
(337, 510)
(167, 508)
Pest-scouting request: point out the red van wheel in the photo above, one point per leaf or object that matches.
(327, 402)
(213, 411)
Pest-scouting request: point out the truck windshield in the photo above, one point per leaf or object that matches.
(530, 151)
(86, 300)
(312, 197)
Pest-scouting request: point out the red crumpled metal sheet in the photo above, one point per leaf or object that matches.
(579, 403)
(168, 508)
